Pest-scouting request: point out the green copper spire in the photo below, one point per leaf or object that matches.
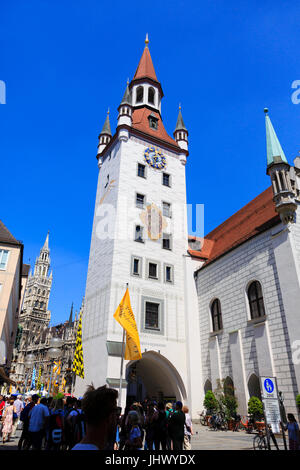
(106, 126)
(180, 124)
(71, 316)
(275, 154)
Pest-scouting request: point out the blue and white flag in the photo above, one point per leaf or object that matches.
(33, 379)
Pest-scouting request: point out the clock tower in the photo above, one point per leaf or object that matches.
(140, 237)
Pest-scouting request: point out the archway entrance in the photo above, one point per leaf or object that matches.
(154, 377)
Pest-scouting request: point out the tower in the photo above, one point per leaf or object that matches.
(281, 174)
(35, 315)
(139, 237)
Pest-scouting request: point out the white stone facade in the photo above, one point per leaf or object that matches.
(244, 346)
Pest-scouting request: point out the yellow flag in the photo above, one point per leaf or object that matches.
(124, 315)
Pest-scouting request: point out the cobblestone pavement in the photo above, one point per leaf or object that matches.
(203, 439)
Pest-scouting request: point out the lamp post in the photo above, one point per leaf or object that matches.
(54, 353)
(29, 361)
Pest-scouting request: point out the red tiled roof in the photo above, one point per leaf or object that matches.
(145, 67)
(258, 215)
(6, 236)
(140, 122)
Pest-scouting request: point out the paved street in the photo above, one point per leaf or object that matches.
(203, 439)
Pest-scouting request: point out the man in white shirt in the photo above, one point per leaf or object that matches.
(38, 420)
(19, 407)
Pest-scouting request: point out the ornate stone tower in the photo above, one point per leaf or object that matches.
(35, 315)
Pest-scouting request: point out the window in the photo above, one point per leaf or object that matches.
(166, 179)
(152, 271)
(141, 171)
(169, 273)
(151, 94)
(139, 234)
(216, 315)
(153, 122)
(166, 241)
(139, 94)
(3, 258)
(152, 316)
(166, 209)
(140, 200)
(256, 300)
(136, 266)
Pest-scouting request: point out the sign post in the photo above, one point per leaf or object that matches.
(270, 399)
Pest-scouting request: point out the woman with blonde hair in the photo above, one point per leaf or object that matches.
(188, 430)
(8, 417)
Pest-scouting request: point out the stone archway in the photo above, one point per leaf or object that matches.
(254, 386)
(155, 377)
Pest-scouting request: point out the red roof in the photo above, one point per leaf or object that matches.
(258, 215)
(140, 122)
(145, 67)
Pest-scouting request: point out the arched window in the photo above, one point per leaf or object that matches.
(139, 94)
(256, 300)
(254, 387)
(151, 95)
(207, 386)
(228, 387)
(216, 315)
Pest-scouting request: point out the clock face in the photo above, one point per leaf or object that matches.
(155, 158)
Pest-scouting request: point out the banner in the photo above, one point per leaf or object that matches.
(124, 315)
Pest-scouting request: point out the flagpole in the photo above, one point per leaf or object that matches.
(122, 362)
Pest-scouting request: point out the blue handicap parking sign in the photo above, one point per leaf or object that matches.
(269, 385)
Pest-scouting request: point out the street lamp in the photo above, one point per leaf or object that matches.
(29, 361)
(54, 353)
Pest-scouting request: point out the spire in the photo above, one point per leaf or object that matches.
(127, 96)
(46, 244)
(180, 124)
(71, 316)
(145, 67)
(106, 126)
(275, 153)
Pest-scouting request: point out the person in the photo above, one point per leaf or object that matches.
(38, 421)
(24, 441)
(160, 427)
(134, 441)
(176, 427)
(74, 424)
(124, 428)
(150, 419)
(19, 407)
(7, 420)
(56, 425)
(188, 430)
(2, 405)
(293, 432)
(100, 411)
(169, 412)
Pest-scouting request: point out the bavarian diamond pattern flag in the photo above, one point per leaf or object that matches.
(78, 356)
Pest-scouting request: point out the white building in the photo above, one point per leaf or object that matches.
(248, 288)
(142, 172)
(223, 308)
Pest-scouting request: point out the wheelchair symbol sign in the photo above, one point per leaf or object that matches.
(269, 385)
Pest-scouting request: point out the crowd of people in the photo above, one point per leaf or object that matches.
(94, 422)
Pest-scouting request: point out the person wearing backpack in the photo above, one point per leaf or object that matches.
(56, 425)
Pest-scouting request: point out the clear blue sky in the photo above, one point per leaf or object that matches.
(64, 63)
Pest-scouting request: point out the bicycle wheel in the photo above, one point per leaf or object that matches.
(259, 443)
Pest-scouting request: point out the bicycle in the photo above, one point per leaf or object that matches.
(203, 420)
(260, 441)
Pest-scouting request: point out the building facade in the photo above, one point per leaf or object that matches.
(249, 289)
(222, 308)
(35, 333)
(140, 237)
(13, 276)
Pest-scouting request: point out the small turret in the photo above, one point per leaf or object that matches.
(180, 133)
(104, 136)
(125, 108)
(279, 171)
